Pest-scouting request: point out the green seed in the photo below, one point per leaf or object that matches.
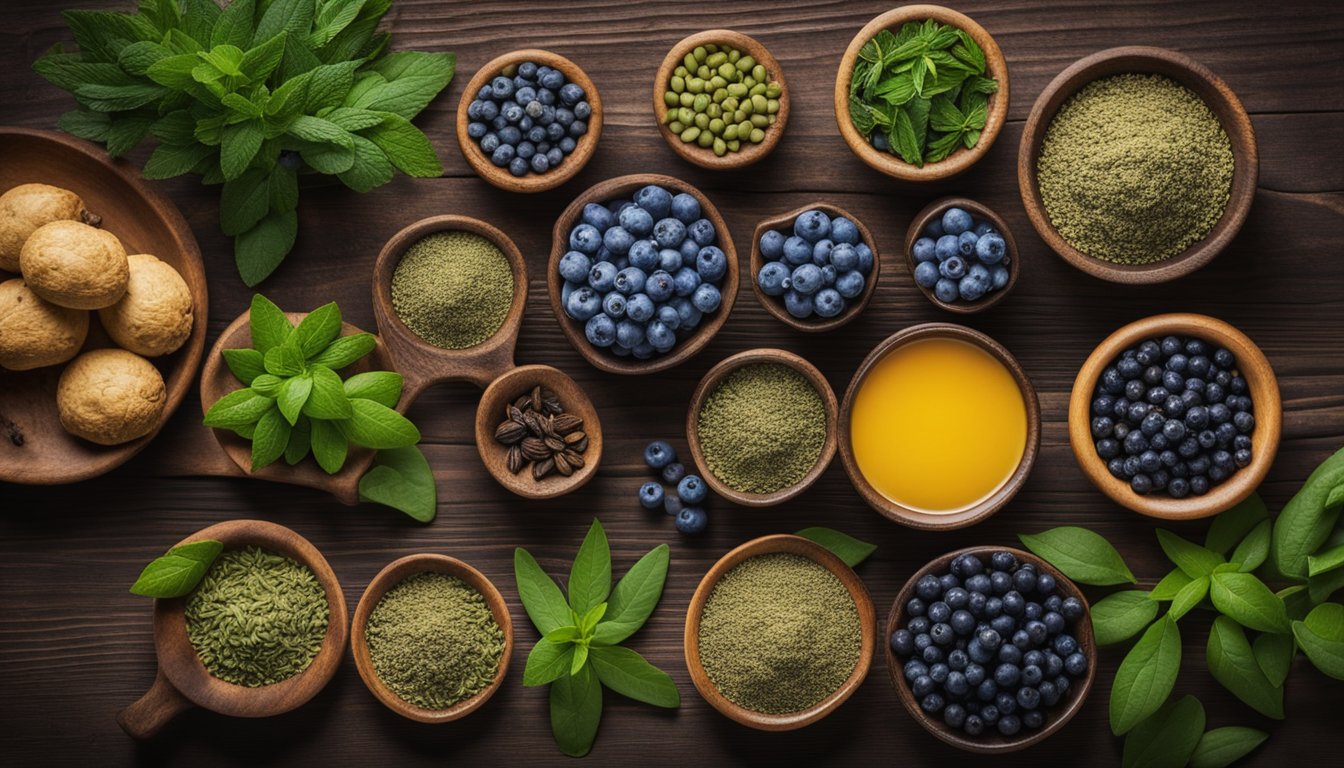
(671, 99)
(760, 121)
(715, 59)
(690, 62)
(719, 95)
(687, 98)
(701, 120)
(734, 145)
(759, 104)
(717, 83)
(706, 139)
(678, 84)
(701, 101)
(690, 134)
(758, 89)
(746, 63)
(772, 119)
(685, 115)
(726, 70)
(743, 129)
(734, 55)
(700, 53)
(737, 90)
(510, 70)
(680, 72)
(704, 72)
(757, 136)
(676, 126)
(730, 104)
(748, 107)
(730, 132)
(720, 147)
(712, 47)
(758, 73)
(773, 91)
(695, 85)
(716, 126)
(772, 106)
(714, 110)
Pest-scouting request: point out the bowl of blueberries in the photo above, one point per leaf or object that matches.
(1176, 416)
(991, 649)
(814, 268)
(529, 120)
(962, 255)
(642, 273)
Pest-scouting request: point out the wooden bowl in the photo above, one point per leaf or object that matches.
(992, 741)
(1264, 393)
(146, 221)
(775, 304)
(920, 519)
(389, 577)
(626, 186)
(711, 382)
(491, 412)
(1189, 73)
(765, 545)
(961, 159)
(182, 679)
(694, 153)
(934, 210)
(532, 182)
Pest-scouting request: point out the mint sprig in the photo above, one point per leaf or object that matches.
(178, 571)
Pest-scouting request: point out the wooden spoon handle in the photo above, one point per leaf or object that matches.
(161, 703)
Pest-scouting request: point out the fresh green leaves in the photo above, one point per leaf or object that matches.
(1220, 747)
(1081, 554)
(1167, 738)
(627, 673)
(842, 545)
(1233, 664)
(1321, 636)
(402, 479)
(1308, 518)
(1146, 676)
(1122, 615)
(1232, 526)
(1192, 559)
(590, 574)
(1249, 602)
(177, 572)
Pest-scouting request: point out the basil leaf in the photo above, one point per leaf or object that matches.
(245, 364)
(576, 711)
(347, 350)
(1167, 738)
(541, 597)
(401, 478)
(590, 575)
(270, 438)
(238, 408)
(1231, 526)
(1120, 615)
(1296, 600)
(590, 619)
(580, 658)
(300, 441)
(1328, 560)
(244, 202)
(383, 387)
(547, 661)
(842, 545)
(565, 634)
(1322, 586)
(1247, 600)
(1189, 597)
(1170, 586)
(318, 329)
(329, 447)
(1195, 560)
(259, 250)
(1321, 636)
(269, 326)
(179, 571)
(1233, 664)
(1274, 655)
(1082, 555)
(629, 674)
(328, 400)
(293, 395)
(634, 598)
(1254, 549)
(1307, 520)
(1222, 747)
(374, 425)
(1146, 676)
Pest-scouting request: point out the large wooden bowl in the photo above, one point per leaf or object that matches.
(1189, 73)
(146, 222)
(935, 209)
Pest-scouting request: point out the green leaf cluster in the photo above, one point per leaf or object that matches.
(842, 545)
(579, 652)
(252, 96)
(178, 571)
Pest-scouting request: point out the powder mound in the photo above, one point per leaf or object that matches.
(453, 289)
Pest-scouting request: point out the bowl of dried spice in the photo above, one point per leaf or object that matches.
(1137, 165)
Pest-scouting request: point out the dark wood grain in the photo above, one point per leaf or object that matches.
(75, 646)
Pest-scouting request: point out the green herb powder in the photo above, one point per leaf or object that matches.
(257, 617)
(453, 289)
(779, 633)
(433, 640)
(762, 428)
(1135, 169)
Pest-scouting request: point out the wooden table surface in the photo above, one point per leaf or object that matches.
(75, 645)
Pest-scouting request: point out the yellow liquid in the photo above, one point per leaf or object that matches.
(938, 425)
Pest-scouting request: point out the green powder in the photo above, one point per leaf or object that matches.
(257, 617)
(762, 428)
(1135, 169)
(433, 640)
(453, 289)
(779, 633)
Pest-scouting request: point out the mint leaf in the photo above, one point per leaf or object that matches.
(842, 545)
(1189, 597)
(284, 360)
(1080, 554)
(238, 408)
(370, 169)
(331, 19)
(541, 597)
(576, 711)
(320, 131)
(1146, 676)
(1170, 586)
(234, 26)
(944, 115)
(547, 661)
(1326, 561)
(118, 98)
(271, 436)
(245, 364)
(292, 16)
(901, 135)
(86, 124)
(1233, 664)
(413, 79)
(283, 189)
(318, 329)
(259, 62)
(260, 250)
(1221, 747)
(329, 446)
(329, 85)
(374, 425)
(268, 325)
(1195, 560)
(1167, 738)
(627, 673)
(1254, 549)
(239, 144)
(169, 160)
(405, 146)
(267, 385)
(328, 400)
(382, 387)
(179, 571)
(402, 479)
(1307, 519)
(1247, 600)
(1274, 655)
(300, 441)
(590, 574)
(1321, 636)
(1120, 615)
(293, 395)
(634, 598)
(244, 202)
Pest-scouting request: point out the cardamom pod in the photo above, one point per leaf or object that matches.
(552, 406)
(554, 443)
(510, 432)
(581, 445)
(562, 465)
(573, 458)
(542, 468)
(566, 423)
(536, 398)
(533, 422)
(514, 414)
(535, 450)
(515, 460)
(574, 437)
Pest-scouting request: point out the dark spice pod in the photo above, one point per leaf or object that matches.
(581, 445)
(515, 459)
(566, 422)
(554, 443)
(533, 422)
(536, 398)
(541, 469)
(535, 450)
(510, 432)
(562, 465)
(514, 414)
(573, 458)
(573, 438)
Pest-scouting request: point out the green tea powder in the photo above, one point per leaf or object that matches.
(779, 633)
(453, 289)
(762, 428)
(257, 617)
(433, 640)
(1134, 169)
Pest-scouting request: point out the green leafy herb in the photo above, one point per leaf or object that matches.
(1167, 738)
(842, 545)
(177, 572)
(1321, 636)
(1253, 550)
(1081, 554)
(1146, 676)
(1308, 518)
(1233, 664)
(1221, 747)
(1170, 586)
(1193, 559)
(1247, 600)
(402, 479)
(1274, 654)
(1189, 596)
(1232, 526)
(1122, 615)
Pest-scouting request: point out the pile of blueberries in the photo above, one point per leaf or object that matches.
(528, 118)
(818, 269)
(961, 259)
(1173, 415)
(990, 646)
(689, 493)
(640, 274)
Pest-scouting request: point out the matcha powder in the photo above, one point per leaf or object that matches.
(453, 289)
(1135, 169)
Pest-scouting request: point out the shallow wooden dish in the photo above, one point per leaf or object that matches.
(992, 741)
(532, 182)
(711, 382)
(694, 153)
(961, 159)
(389, 577)
(775, 304)
(1189, 73)
(146, 222)
(977, 211)
(1264, 393)
(626, 186)
(491, 412)
(182, 680)
(971, 515)
(764, 545)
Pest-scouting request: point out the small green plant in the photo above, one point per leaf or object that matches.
(178, 571)
(842, 545)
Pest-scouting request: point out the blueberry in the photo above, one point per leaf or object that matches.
(658, 287)
(999, 277)
(821, 252)
(551, 78)
(489, 143)
(1244, 421)
(850, 284)
(585, 238)
(962, 622)
(1075, 664)
(614, 305)
(583, 303)
(651, 495)
(673, 472)
(797, 251)
(806, 279)
(845, 257)
(629, 333)
(501, 87)
(1009, 725)
(772, 278)
(706, 298)
(636, 221)
(711, 263)
(923, 249)
(973, 287)
(512, 112)
(772, 244)
(578, 127)
(1000, 582)
(812, 225)
(939, 611)
(902, 642)
(946, 290)
(974, 725)
(942, 634)
(1065, 645)
(567, 144)
(639, 307)
(865, 258)
(928, 588)
(990, 249)
(669, 260)
(571, 93)
(660, 336)
(692, 489)
(828, 303)
(685, 207)
(702, 232)
(955, 221)
(643, 255)
(630, 280)
(668, 232)
(597, 216)
(692, 520)
(938, 671)
(686, 280)
(966, 244)
(946, 247)
(953, 268)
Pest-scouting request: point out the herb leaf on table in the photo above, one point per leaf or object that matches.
(1167, 738)
(842, 545)
(1080, 554)
(178, 571)
(1233, 664)
(1220, 747)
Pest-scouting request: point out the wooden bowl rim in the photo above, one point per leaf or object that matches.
(1260, 379)
(777, 544)
(1191, 74)
(705, 158)
(393, 574)
(976, 209)
(686, 348)
(585, 146)
(942, 521)
(993, 742)
(710, 382)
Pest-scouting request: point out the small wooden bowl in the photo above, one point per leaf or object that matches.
(389, 577)
(694, 153)
(1264, 393)
(992, 742)
(532, 182)
(602, 193)
(915, 518)
(934, 210)
(961, 159)
(183, 681)
(711, 382)
(775, 304)
(491, 412)
(765, 545)
(1189, 73)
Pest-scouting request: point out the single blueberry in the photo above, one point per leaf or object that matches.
(692, 489)
(821, 252)
(923, 249)
(686, 281)
(636, 221)
(797, 251)
(673, 473)
(583, 303)
(828, 303)
(953, 268)
(639, 307)
(651, 495)
(990, 249)
(946, 290)
(850, 284)
(659, 286)
(806, 279)
(692, 520)
(772, 277)
(600, 330)
(946, 247)
(630, 280)
(629, 333)
(812, 225)
(711, 263)
(706, 298)
(955, 221)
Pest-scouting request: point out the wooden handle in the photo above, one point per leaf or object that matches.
(147, 716)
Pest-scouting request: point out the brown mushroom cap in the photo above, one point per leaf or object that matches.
(28, 206)
(110, 396)
(35, 333)
(75, 265)
(154, 316)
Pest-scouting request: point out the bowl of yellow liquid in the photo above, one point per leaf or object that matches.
(939, 427)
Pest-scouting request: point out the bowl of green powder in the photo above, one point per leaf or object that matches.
(1137, 165)
(762, 426)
